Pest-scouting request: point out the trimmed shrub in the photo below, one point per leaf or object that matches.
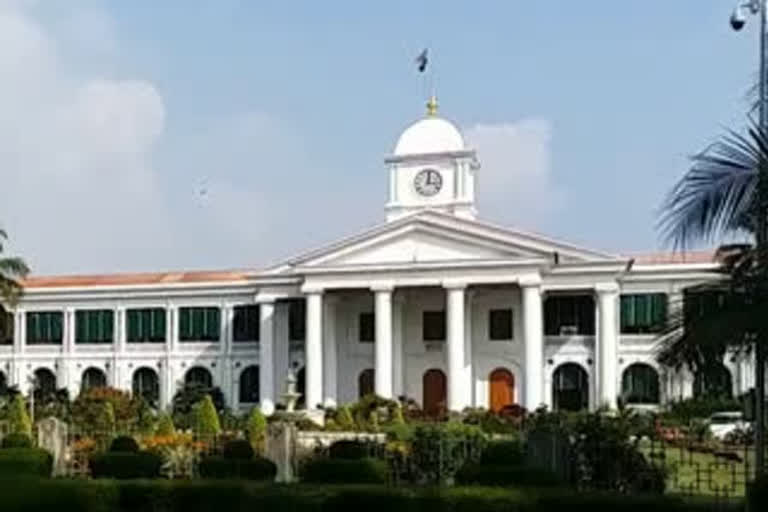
(344, 419)
(125, 444)
(238, 449)
(165, 425)
(207, 419)
(348, 449)
(257, 429)
(504, 453)
(17, 440)
(124, 465)
(505, 475)
(345, 471)
(257, 468)
(30, 462)
(18, 419)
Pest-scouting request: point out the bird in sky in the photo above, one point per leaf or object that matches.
(422, 60)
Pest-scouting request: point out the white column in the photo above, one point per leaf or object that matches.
(383, 349)
(266, 356)
(68, 343)
(281, 347)
(330, 366)
(467, 370)
(398, 361)
(119, 333)
(313, 351)
(457, 387)
(171, 331)
(607, 297)
(534, 341)
(19, 331)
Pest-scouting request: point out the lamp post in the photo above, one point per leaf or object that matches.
(738, 20)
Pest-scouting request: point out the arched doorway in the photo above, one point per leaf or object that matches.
(570, 388)
(146, 384)
(714, 382)
(198, 376)
(434, 392)
(45, 381)
(640, 384)
(93, 378)
(365, 382)
(501, 392)
(249, 385)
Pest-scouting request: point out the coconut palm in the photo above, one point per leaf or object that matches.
(723, 196)
(12, 271)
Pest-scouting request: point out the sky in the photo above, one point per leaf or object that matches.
(115, 116)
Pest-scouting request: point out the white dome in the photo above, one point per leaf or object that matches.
(430, 135)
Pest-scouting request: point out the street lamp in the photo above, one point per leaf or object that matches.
(738, 20)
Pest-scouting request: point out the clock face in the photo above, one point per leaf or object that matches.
(428, 182)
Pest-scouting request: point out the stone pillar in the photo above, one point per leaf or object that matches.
(281, 347)
(313, 351)
(266, 356)
(457, 387)
(19, 331)
(398, 361)
(383, 348)
(69, 330)
(171, 332)
(533, 332)
(330, 364)
(607, 297)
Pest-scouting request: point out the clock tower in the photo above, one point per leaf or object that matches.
(431, 168)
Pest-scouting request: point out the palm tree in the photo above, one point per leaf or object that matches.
(723, 196)
(12, 271)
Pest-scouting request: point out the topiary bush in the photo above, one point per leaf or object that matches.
(238, 449)
(257, 468)
(257, 430)
(206, 418)
(125, 444)
(344, 471)
(124, 465)
(17, 440)
(18, 418)
(19, 462)
(506, 475)
(348, 449)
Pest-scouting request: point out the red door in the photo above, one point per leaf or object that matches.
(434, 400)
(502, 389)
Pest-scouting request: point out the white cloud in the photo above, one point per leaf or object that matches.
(515, 183)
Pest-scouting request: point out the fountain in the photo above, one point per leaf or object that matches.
(281, 434)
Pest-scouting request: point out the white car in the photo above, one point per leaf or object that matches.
(723, 423)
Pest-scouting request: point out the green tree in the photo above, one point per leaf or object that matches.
(165, 425)
(12, 272)
(344, 418)
(207, 423)
(257, 430)
(18, 418)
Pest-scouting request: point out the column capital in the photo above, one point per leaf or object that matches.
(529, 280)
(608, 287)
(312, 289)
(454, 284)
(265, 298)
(382, 286)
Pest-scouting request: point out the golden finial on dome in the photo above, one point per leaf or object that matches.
(432, 106)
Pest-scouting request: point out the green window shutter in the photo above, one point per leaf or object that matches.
(94, 327)
(31, 320)
(158, 325)
(659, 309)
(185, 324)
(80, 326)
(198, 323)
(56, 328)
(214, 324)
(45, 327)
(130, 325)
(109, 326)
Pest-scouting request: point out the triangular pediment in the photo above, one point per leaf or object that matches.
(433, 237)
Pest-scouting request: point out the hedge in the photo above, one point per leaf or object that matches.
(16, 440)
(257, 468)
(503, 452)
(124, 444)
(238, 449)
(506, 475)
(126, 465)
(25, 462)
(348, 449)
(232, 496)
(344, 471)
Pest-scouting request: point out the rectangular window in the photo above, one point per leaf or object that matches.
(94, 326)
(297, 318)
(568, 315)
(45, 327)
(366, 327)
(199, 324)
(145, 325)
(245, 323)
(500, 324)
(433, 325)
(643, 313)
(6, 327)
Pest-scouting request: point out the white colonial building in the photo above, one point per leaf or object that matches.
(433, 304)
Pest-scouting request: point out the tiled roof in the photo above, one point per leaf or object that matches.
(660, 258)
(127, 279)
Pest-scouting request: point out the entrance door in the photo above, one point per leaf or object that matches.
(502, 392)
(570, 388)
(434, 400)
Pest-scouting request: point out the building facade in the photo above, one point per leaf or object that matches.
(433, 304)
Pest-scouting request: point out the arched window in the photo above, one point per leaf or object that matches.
(570, 388)
(197, 375)
(146, 384)
(365, 382)
(45, 382)
(93, 378)
(640, 384)
(249, 385)
(714, 382)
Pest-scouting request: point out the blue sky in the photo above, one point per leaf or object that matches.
(583, 113)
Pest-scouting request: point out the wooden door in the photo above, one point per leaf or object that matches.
(502, 389)
(434, 400)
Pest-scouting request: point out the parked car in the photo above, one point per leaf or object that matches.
(723, 424)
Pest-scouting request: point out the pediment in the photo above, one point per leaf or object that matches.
(431, 236)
